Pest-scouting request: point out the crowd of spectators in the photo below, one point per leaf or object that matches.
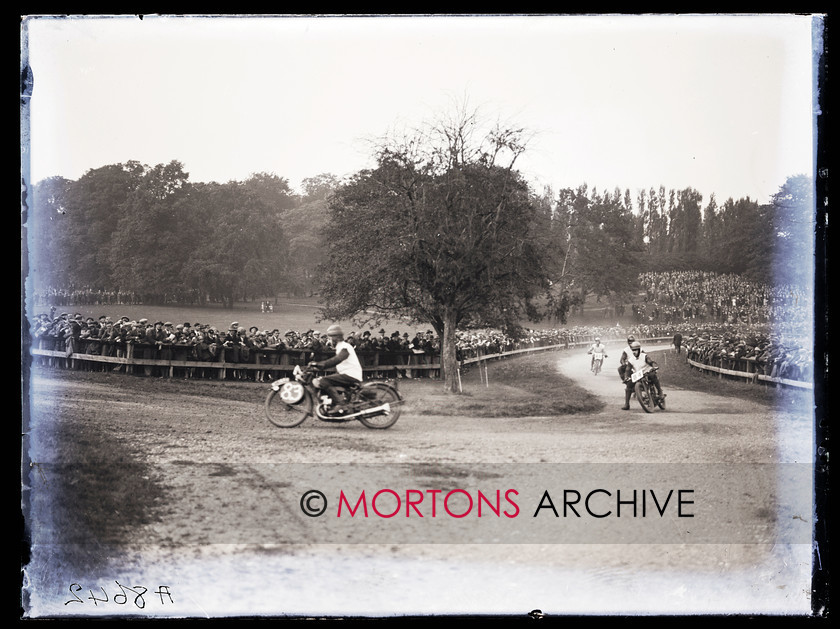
(730, 322)
(758, 348)
(724, 320)
(766, 354)
(162, 340)
(87, 296)
(703, 296)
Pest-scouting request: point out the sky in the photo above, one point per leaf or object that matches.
(722, 104)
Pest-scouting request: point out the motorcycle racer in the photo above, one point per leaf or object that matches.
(625, 354)
(596, 348)
(636, 361)
(347, 366)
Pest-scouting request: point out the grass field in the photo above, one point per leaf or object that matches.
(521, 386)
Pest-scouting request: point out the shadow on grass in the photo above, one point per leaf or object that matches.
(94, 493)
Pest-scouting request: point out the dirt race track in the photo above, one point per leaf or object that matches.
(227, 537)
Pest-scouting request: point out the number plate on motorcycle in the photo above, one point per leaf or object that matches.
(291, 392)
(637, 375)
(279, 383)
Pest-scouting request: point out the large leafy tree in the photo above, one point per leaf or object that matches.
(319, 187)
(791, 217)
(739, 231)
(75, 222)
(303, 226)
(686, 230)
(656, 230)
(275, 192)
(240, 248)
(444, 231)
(48, 259)
(710, 232)
(605, 250)
(153, 233)
(150, 231)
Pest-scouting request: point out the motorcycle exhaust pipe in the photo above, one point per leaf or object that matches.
(386, 408)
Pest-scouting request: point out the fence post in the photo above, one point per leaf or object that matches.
(740, 367)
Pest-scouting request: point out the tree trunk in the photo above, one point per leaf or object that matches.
(448, 354)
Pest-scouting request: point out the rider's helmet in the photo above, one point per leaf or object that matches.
(636, 347)
(597, 340)
(335, 330)
(631, 339)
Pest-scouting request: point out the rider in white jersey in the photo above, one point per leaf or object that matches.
(635, 362)
(347, 366)
(622, 361)
(596, 348)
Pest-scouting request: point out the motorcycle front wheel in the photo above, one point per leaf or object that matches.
(377, 395)
(285, 415)
(644, 396)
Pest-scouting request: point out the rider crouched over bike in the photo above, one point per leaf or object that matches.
(635, 362)
(347, 366)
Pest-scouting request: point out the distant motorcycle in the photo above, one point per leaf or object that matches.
(645, 389)
(290, 401)
(597, 362)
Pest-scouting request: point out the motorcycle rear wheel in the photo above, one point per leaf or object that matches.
(644, 396)
(384, 395)
(284, 415)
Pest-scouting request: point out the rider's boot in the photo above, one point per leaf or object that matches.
(337, 407)
(626, 406)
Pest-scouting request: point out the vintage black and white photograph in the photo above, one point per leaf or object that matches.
(377, 316)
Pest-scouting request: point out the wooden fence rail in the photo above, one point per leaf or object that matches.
(283, 365)
(751, 376)
(275, 363)
(282, 362)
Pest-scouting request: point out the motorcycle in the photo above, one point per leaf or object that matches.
(645, 389)
(597, 362)
(376, 404)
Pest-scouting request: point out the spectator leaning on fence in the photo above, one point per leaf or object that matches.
(737, 347)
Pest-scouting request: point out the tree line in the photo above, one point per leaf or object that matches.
(152, 232)
(613, 236)
(444, 230)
